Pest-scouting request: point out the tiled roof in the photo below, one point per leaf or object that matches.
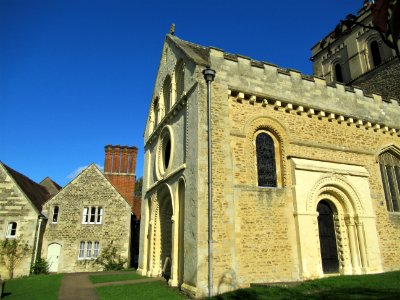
(36, 193)
(52, 186)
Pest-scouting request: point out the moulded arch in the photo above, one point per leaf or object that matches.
(367, 48)
(276, 129)
(391, 147)
(164, 194)
(340, 188)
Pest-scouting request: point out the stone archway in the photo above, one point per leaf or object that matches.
(346, 189)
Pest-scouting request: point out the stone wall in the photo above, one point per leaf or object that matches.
(383, 80)
(15, 207)
(89, 189)
(254, 228)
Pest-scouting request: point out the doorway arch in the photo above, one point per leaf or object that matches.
(53, 257)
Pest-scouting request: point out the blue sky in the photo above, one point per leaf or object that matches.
(78, 75)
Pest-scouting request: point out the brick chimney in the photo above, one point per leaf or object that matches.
(119, 169)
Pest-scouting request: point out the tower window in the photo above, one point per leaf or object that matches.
(338, 73)
(376, 55)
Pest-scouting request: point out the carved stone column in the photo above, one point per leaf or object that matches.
(361, 241)
(353, 246)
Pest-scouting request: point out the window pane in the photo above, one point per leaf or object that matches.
(392, 188)
(82, 250)
(89, 250)
(11, 229)
(92, 214)
(397, 171)
(55, 214)
(99, 215)
(385, 187)
(96, 249)
(85, 215)
(266, 167)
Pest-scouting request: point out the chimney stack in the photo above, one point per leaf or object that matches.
(119, 169)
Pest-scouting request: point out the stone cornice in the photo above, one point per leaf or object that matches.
(318, 112)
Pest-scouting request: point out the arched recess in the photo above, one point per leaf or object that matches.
(179, 75)
(337, 70)
(375, 53)
(277, 133)
(347, 211)
(160, 254)
(167, 93)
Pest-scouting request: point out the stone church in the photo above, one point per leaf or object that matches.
(305, 169)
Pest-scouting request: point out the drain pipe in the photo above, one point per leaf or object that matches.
(41, 218)
(209, 75)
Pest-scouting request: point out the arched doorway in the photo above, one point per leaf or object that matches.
(166, 236)
(327, 238)
(53, 257)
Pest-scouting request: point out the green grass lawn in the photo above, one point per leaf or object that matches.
(149, 290)
(34, 287)
(114, 277)
(377, 286)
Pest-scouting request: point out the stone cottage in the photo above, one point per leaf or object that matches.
(305, 174)
(21, 201)
(83, 218)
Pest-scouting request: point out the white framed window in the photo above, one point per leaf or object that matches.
(11, 230)
(55, 214)
(85, 215)
(88, 250)
(81, 250)
(96, 249)
(92, 215)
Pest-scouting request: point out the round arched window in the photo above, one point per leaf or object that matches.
(165, 151)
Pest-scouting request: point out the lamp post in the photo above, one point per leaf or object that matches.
(209, 75)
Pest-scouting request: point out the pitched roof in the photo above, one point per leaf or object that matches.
(199, 54)
(36, 193)
(52, 186)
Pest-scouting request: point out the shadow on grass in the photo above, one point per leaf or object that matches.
(277, 293)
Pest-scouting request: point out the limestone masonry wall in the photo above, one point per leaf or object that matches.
(15, 207)
(89, 189)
